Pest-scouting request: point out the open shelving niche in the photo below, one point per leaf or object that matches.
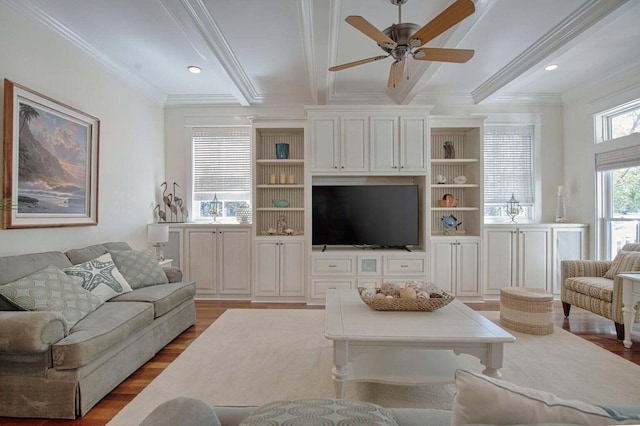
(267, 165)
(467, 161)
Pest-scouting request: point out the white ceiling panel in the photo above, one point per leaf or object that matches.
(279, 51)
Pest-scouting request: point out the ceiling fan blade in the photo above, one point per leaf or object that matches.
(356, 63)
(443, 55)
(367, 28)
(395, 73)
(441, 23)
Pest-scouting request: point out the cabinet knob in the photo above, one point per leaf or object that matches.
(335, 167)
(342, 167)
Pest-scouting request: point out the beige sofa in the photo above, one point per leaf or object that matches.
(585, 284)
(48, 371)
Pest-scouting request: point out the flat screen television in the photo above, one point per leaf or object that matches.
(365, 215)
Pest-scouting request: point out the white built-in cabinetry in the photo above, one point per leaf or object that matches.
(278, 268)
(345, 268)
(529, 255)
(455, 265)
(368, 142)
(279, 258)
(217, 258)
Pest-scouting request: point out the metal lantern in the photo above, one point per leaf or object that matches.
(243, 214)
(513, 208)
(216, 207)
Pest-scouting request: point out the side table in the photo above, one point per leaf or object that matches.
(630, 302)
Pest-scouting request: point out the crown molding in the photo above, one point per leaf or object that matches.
(37, 11)
(200, 100)
(575, 24)
(550, 99)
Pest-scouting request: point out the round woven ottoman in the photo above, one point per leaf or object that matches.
(526, 310)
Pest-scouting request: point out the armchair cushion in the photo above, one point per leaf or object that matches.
(600, 288)
(624, 261)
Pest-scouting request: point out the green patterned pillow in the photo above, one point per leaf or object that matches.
(625, 261)
(101, 277)
(139, 267)
(50, 289)
(319, 412)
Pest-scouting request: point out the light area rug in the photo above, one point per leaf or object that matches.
(254, 356)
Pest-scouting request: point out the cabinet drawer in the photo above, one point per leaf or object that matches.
(401, 266)
(331, 266)
(319, 287)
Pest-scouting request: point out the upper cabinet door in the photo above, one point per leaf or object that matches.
(413, 144)
(324, 146)
(354, 150)
(384, 144)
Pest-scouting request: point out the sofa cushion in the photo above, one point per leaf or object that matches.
(482, 400)
(101, 277)
(107, 326)
(139, 267)
(320, 411)
(50, 289)
(85, 254)
(15, 267)
(625, 261)
(598, 288)
(164, 297)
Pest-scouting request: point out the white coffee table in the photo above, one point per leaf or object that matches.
(406, 347)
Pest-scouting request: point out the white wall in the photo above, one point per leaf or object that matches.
(131, 156)
(579, 145)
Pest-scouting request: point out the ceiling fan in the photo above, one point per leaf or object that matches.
(403, 39)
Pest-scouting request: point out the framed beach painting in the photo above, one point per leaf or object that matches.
(50, 160)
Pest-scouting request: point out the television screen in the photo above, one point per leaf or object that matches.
(371, 215)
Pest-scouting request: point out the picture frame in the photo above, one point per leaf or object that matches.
(50, 162)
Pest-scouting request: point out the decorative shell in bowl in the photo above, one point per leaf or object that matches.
(409, 296)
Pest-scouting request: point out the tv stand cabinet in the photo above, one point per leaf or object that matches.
(348, 268)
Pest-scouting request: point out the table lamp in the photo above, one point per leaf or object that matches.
(158, 234)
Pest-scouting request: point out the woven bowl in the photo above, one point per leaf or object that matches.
(398, 304)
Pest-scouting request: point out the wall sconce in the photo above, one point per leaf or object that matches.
(513, 208)
(157, 235)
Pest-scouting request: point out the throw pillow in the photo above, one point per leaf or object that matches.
(624, 261)
(482, 400)
(139, 267)
(101, 277)
(319, 411)
(50, 289)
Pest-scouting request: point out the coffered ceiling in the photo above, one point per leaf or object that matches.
(277, 52)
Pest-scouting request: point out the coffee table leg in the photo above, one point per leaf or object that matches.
(340, 370)
(493, 360)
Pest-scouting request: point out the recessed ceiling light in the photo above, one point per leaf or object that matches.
(551, 67)
(194, 69)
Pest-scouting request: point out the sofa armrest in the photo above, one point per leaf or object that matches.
(583, 268)
(173, 274)
(23, 332)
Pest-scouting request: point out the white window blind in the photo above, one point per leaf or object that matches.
(508, 164)
(221, 161)
(618, 159)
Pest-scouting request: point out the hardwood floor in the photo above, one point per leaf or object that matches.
(594, 328)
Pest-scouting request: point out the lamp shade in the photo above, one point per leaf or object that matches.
(157, 233)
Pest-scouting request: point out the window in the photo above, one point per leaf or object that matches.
(508, 169)
(221, 170)
(619, 194)
(617, 122)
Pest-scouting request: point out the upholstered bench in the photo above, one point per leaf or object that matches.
(526, 310)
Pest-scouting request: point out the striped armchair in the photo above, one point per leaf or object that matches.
(585, 286)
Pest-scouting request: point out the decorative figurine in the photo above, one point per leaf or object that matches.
(449, 150)
(450, 224)
(282, 224)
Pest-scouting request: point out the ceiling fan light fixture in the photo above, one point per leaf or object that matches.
(194, 69)
(551, 67)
